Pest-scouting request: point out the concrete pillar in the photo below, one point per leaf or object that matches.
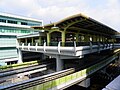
(43, 56)
(91, 38)
(101, 40)
(87, 39)
(94, 38)
(18, 40)
(48, 39)
(104, 39)
(85, 83)
(40, 41)
(82, 38)
(32, 40)
(77, 37)
(59, 63)
(26, 40)
(20, 56)
(111, 40)
(98, 38)
(63, 38)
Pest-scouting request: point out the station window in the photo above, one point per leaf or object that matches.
(13, 22)
(24, 23)
(3, 20)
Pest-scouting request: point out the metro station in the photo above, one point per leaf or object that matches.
(73, 49)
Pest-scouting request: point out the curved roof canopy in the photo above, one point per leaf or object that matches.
(80, 23)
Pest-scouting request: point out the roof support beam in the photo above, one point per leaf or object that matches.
(72, 23)
(82, 29)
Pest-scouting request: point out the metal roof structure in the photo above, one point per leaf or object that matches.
(80, 23)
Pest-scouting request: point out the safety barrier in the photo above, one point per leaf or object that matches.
(74, 51)
(18, 65)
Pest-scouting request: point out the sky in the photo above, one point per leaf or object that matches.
(104, 11)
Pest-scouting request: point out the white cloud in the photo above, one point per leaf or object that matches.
(109, 14)
(106, 11)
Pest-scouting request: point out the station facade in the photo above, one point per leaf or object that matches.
(79, 28)
(12, 26)
(76, 28)
(72, 37)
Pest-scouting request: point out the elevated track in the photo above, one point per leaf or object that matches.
(61, 79)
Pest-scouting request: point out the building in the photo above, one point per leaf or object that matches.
(12, 26)
(77, 47)
(70, 38)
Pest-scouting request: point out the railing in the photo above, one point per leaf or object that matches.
(67, 48)
(70, 44)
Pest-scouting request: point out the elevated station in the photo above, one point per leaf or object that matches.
(77, 46)
(72, 37)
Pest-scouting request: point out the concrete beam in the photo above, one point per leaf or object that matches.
(85, 83)
(63, 38)
(48, 38)
(20, 56)
(59, 63)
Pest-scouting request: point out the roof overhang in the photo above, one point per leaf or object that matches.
(80, 23)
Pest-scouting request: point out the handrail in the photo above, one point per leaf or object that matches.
(74, 47)
(69, 44)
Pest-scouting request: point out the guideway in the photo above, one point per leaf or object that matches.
(61, 79)
(9, 75)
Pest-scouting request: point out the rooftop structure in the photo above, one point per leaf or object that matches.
(79, 23)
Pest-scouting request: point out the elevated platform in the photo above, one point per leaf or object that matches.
(72, 37)
(66, 52)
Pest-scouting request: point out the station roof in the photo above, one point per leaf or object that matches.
(80, 23)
